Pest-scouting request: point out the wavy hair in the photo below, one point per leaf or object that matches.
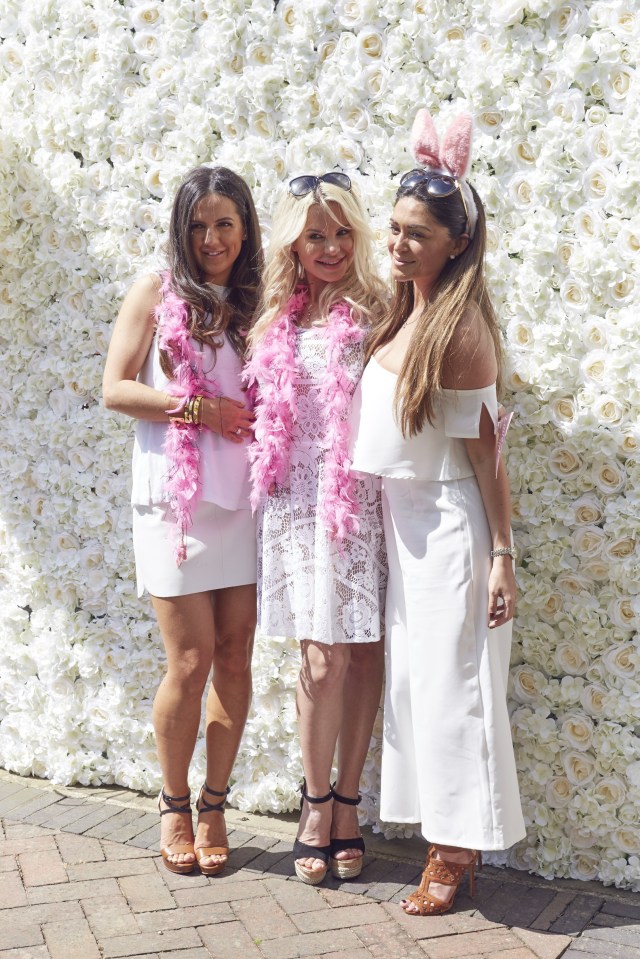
(235, 314)
(360, 287)
(459, 287)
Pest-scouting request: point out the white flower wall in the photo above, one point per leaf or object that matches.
(107, 105)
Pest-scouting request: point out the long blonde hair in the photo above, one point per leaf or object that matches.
(360, 288)
(459, 287)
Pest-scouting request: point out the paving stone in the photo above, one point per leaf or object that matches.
(245, 855)
(111, 867)
(68, 891)
(15, 936)
(70, 940)
(8, 786)
(435, 928)
(119, 818)
(150, 837)
(626, 935)
(79, 849)
(12, 891)
(118, 850)
(162, 943)
(190, 916)
(373, 871)
(11, 802)
(625, 909)
(344, 918)
(400, 874)
(577, 915)
(219, 892)
(111, 916)
(520, 952)
(230, 941)
(14, 847)
(33, 952)
(264, 919)
(517, 905)
(295, 897)
(388, 941)
(333, 897)
(314, 943)
(587, 948)
(44, 912)
(59, 816)
(553, 911)
(24, 830)
(173, 880)
(467, 944)
(42, 800)
(8, 863)
(42, 868)
(350, 954)
(146, 895)
(278, 860)
(90, 815)
(543, 945)
(135, 828)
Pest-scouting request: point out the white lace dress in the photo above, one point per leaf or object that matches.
(308, 586)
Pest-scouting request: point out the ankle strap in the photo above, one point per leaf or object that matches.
(168, 799)
(214, 792)
(314, 799)
(345, 799)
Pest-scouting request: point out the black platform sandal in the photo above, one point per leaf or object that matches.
(302, 850)
(182, 868)
(346, 868)
(203, 851)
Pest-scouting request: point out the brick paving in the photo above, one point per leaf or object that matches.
(80, 878)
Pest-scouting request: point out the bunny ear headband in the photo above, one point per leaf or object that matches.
(452, 156)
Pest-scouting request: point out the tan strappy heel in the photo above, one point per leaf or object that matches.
(182, 868)
(203, 851)
(447, 874)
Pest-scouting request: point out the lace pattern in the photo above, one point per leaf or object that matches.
(311, 587)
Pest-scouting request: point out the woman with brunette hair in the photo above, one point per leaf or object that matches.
(174, 363)
(425, 419)
(321, 561)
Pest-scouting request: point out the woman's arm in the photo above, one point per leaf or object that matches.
(472, 365)
(131, 341)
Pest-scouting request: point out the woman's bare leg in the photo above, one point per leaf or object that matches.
(319, 703)
(361, 699)
(228, 701)
(187, 628)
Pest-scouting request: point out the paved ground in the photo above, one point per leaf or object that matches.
(80, 879)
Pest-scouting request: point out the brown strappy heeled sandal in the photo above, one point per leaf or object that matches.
(182, 868)
(203, 851)
(447, 874)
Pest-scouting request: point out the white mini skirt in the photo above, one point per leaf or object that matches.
(221, 550)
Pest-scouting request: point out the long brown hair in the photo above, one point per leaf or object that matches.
(460, 286)
(235, 314)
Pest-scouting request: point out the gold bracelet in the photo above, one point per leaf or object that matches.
(196, 410)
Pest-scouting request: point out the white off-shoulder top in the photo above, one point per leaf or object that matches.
(437, 452)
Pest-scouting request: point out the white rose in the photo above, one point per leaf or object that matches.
(626, 840)
(587, 510)
(579, 767)
(570, 658)
(623, 613)
(559, 792)
(565, 462)
(593, 700)
(621, 548)
(610, 791)
(621, 659)
(609, 477)
(527, 684)
(585, 865)
(577, 731)
(588, 541)
(370, 45)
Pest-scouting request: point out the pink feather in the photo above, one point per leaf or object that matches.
(455, 152)
(272, 373)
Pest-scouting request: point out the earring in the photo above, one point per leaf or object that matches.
(452, 256)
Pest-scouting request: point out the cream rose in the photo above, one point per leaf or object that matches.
(579, 767)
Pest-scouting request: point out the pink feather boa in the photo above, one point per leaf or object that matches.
(182, 485)
(272, 373)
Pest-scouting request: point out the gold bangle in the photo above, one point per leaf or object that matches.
(196, 410)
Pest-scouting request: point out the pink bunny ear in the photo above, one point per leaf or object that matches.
(455, 151)
(424, 140)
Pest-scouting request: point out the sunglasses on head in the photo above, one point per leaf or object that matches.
(437, 185)
(301, 185)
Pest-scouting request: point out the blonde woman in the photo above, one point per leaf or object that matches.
(321, 560)
(425, 419)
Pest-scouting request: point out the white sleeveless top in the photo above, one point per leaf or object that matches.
(224, 467)
(437, 452)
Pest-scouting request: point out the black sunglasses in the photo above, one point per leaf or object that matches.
(301, 185)
(436, 184)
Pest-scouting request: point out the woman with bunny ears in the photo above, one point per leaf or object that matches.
(321, 559)
(425, 418)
